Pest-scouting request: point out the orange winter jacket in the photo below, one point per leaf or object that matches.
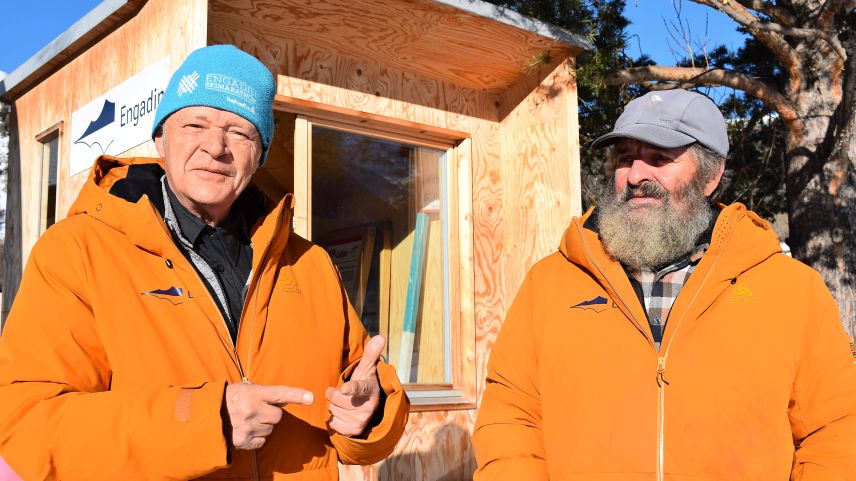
(754, 381)
(114, 358)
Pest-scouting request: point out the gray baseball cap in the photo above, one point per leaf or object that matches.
(669, 119)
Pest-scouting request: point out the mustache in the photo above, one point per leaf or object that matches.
(645, 189)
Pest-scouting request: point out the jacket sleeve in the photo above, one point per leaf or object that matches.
(387, 426)
(822, 409)
(508, 437)
(58, 417)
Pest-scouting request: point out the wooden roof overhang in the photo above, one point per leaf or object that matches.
(466, 42)
(469, 43)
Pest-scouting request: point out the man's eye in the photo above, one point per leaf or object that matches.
(193, 127)
(239, 135)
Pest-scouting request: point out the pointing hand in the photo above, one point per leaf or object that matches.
(352, 404)
(254, 410)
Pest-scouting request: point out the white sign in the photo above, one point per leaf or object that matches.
(119, 120)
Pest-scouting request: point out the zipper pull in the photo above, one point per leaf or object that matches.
(661, 370)
(246, 380)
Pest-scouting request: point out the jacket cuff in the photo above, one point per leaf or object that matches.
(386, 426)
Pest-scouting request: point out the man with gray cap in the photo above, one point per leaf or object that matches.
(669, 338)
(173, 327)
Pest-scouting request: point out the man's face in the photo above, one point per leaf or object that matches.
(210, 156)
(649, 176)
(659, 206)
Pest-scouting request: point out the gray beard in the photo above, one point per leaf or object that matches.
(650, 237)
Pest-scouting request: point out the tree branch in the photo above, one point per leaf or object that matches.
(830, 9)
(776, 13)
(810, 33)
(772, 40)
(717, 77)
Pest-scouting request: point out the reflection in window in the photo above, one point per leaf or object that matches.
(50, 158)
(378, 208)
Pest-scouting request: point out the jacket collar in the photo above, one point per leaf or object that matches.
(739, 241)
(125, 193)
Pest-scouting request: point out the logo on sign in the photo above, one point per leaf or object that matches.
(118, 120)
(105, 118)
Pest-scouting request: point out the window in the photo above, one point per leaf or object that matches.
(381, 200)
(378, 208)
(48, 181)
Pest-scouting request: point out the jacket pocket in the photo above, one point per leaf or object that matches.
(323, 474)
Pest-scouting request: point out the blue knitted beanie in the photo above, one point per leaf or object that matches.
(226, 78)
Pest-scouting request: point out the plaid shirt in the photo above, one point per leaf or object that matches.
(658, 290)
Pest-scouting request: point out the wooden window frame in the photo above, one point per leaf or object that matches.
(55, 130)
(461, 392)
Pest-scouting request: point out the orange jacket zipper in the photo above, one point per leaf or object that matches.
(661, 360)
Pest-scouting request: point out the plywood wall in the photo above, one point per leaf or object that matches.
(436, 446)
(525, 188)
(540, 149)
(160, 28)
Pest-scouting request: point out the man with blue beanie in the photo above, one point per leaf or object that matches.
(173, 327)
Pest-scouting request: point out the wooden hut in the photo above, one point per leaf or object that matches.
(432, 146)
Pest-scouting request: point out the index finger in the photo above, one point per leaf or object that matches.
(282, 395)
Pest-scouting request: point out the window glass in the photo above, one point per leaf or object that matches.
(378, 207)
(50, 159)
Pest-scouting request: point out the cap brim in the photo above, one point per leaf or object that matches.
(651, 134)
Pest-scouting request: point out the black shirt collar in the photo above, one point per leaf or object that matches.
(192, 227)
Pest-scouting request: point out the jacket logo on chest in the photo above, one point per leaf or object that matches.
(173, 295)
(286, 281)
(742, 293)
(597, 304)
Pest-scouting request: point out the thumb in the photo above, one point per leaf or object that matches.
(282, 395)
(371, 354)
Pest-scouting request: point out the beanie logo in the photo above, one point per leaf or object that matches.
(187, 84)
(229, 85)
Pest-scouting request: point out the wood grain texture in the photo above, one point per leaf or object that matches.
(418, 36)
(538, 147)
(430, 327)
(435, 447)
(159, 29)
(302, 174)
(463, 305)
(399, 275)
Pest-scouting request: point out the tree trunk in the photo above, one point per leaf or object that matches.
(821, 181)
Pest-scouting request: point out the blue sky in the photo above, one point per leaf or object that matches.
(31, 24)
(652, 20)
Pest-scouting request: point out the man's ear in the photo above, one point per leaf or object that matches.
(160, 142)
(711, 185)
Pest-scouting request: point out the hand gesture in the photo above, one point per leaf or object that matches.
(352, 404)
(254, 410)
